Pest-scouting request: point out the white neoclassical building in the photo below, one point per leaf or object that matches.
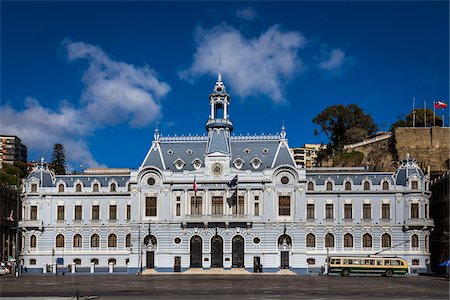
(273, 215)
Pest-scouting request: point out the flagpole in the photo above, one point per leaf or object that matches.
(425, 113)
(414, 112)
(434, 114)
(17, 227)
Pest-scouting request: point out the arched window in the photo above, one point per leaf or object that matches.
(329, 240)
(95, 187)
(77, 261)
(112, 187)
(348, 240)
(385, 185)
(32, 261)
(348, 186)
(95, 241)
(311, 261)
(112, 240)
(415, 241)
(77, 241)
(128, 240)
(329, 186)
(33, 241)
(385, 240)
(61, 188)
(310, 186)
(367, 240)
(112, 260)
(310, 240)
(59, 241)
(95, 261)
(366, 186)
(78, 188)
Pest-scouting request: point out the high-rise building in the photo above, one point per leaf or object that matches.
(306, 156)
(222, 201)
(12, 149)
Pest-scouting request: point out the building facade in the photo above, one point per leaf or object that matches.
(8, 222)
(12, 149)
(222, 201)
(307, 155)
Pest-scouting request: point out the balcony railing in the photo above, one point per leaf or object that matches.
(206, 218)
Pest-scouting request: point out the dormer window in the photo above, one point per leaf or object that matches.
(348, 186)
(414, 185)
(78, 188)
(256, 163)
(95, 187)
(310, 186)
(179, 163)
(329, 186)
(61, 188)
(238, 163)
(366, 186)
(112, 187)
(385, 185)
(197, 163)
(34, 188)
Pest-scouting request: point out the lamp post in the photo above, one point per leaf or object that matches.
(17, 227)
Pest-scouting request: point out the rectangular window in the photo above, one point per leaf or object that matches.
(310, 215)
(414, 210)
(78, 212)
(367, 212)
(239, 208)
(113, 212)
(414, 185)
(95, 212)
(196, 206)
(217, 206)
(329, 211)
(33, 212)
(426, 211)
(150, 207)
(60, 215)
(284, 205)
(178, 209)
(256, 209)
(128, 212)
(348, 211)
(385, 211)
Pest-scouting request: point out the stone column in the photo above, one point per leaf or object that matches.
(72, 269)
(92, 267)
(44, 269)
(111, 267)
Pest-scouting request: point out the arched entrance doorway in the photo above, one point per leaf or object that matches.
(285, 246)
(196, 252)
(237, 252)
(216, 252)
(150, 243)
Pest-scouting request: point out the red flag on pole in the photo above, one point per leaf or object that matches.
(11, 216)
(440, 104)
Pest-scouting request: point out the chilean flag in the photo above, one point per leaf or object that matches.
(11, 216)
(440, 104)
(195, 186)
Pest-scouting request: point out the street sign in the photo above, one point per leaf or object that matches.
(60, 261)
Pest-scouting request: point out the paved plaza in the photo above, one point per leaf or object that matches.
(223, 287)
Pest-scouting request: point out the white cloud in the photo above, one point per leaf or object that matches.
(115, 92)
(247, 13)
(333, 60)
(253, 66)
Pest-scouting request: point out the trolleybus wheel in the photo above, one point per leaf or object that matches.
(345, 272)
(388, 273)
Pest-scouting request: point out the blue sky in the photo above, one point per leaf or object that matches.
(98, 76)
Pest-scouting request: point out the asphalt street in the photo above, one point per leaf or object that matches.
(223, 287)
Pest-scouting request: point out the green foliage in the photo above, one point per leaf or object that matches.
(354, 158)
(344, 125)
(8, 173)
(58, 164)
(421, 114)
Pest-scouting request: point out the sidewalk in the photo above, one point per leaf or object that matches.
(216, 271)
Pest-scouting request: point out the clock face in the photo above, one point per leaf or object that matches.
(217, 169)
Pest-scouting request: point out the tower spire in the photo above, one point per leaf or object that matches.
(219, 75)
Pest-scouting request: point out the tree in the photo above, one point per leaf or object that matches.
(344, 125)
(420, 119)
(58, 163)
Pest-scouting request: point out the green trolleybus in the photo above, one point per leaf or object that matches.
(386, 266)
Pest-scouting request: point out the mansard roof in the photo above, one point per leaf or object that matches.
(50, 180)
(358, 177)
(247, 148)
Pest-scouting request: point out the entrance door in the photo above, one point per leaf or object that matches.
(196, 252)
(238, 252)
(257, 264)
(216, 252)
(284, 259)
(150, 260)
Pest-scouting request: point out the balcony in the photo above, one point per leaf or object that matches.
(418, 224)
(31, 224)
(217, 218)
